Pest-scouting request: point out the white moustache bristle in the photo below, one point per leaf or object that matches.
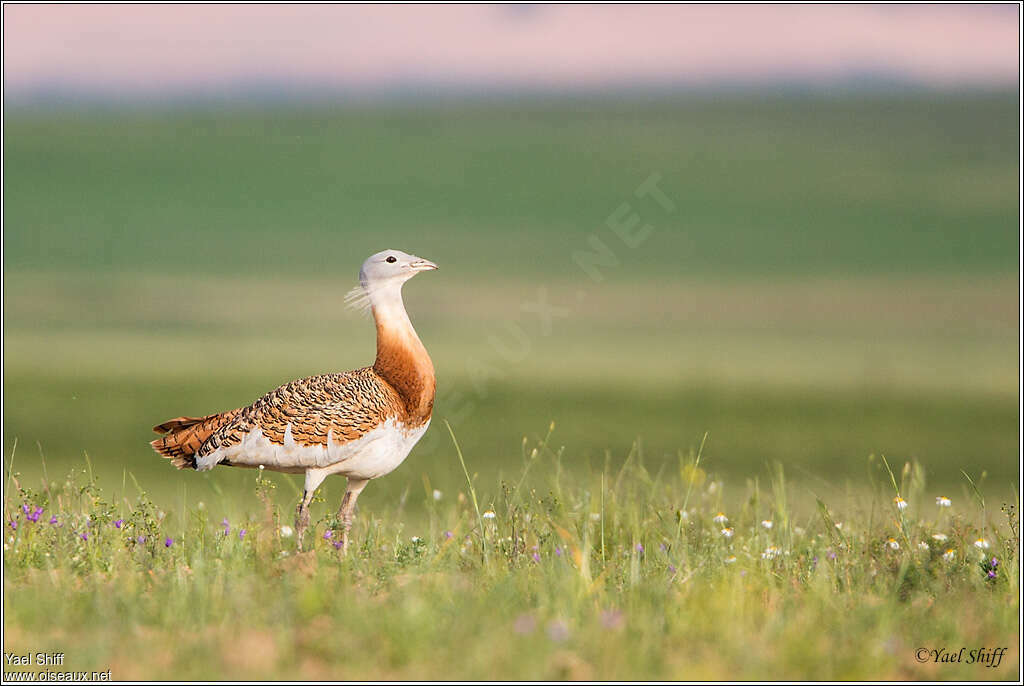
(358, 299)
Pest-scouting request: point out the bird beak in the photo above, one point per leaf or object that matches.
(421, 265)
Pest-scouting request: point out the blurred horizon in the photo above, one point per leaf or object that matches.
(57, 54)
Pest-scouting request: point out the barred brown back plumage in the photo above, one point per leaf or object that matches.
(344, 406)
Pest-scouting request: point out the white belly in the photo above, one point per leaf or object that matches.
(375, 454)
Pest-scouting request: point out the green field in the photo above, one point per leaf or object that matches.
(834, 279)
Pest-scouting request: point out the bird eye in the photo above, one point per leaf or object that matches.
(391, 258)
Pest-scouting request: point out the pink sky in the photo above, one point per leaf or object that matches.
(152, 49)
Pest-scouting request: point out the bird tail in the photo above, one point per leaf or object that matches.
(183, 436)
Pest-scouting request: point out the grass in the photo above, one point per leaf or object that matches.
(763, 186)
(837, 282)
(817, 374)
(605, 574)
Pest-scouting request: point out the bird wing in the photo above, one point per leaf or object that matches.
(342, 407)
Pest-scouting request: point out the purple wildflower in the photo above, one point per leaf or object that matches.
(84, 535)
(613, 619)
(672, 569)
(558, 551)
(524, 624)
(14, 524)
(328, 535)
(662, 547)
(338, 545)
(831, 555)
(141, 539)
(53, 519)
(558, 630)
(34, 516)
(241, 534)
(991, 574)
(640, 548)
(25, 508)
(995, 563)
(119, 523)
(168, 542)
(536, 557)
(448, 535)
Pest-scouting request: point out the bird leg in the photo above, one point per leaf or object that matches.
(314, 477)
(302, 517)
(348, 507)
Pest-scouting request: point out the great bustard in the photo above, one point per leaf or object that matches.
(361, 424)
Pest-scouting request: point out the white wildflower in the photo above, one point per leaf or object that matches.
(922, 546)
(941, 538)
(286, 531)
(770, 553)
(943, 501)
(767, 523)
(729, 560)
(981, 544)
(489, 514)
(893, 543)
(900, 503)
(437, 494)
(720, 518)
(727, 532)
(949, 555)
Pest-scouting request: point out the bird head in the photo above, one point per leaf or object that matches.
(390, 266)
(383, 272)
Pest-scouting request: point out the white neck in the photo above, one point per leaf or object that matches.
(402, 360)
(389, 309)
